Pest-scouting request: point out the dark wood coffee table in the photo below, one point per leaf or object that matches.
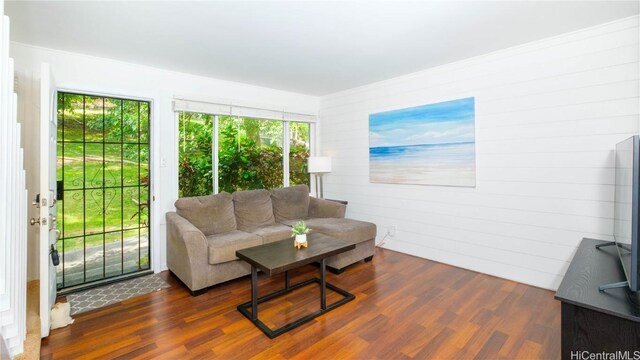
(282, 256)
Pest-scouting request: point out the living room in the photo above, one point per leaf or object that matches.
(459, 271)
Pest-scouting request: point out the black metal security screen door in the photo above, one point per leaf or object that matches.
(103, 189)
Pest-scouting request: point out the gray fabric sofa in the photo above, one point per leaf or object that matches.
(204, 232)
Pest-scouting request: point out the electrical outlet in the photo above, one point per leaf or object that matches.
(391, 231)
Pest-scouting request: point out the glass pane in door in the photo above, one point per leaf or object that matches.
(103, 175)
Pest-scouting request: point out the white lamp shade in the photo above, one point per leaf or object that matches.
(319, 164)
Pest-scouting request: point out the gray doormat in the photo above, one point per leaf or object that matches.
(110, 294)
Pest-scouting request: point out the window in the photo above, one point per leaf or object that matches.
(246, 153)
(299, 149)
(249, 154)
(195, 175)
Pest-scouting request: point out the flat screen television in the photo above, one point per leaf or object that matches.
(626, 202)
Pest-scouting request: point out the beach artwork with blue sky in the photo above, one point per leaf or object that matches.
(431, 144)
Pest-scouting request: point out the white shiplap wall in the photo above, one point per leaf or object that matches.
(548, 115)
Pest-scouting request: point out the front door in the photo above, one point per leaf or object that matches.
(46, 200)
(103, 189)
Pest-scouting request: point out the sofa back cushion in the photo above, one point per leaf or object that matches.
(253, 209)
(290, 203)
(211, 214)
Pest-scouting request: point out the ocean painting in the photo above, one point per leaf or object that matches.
(431, 144)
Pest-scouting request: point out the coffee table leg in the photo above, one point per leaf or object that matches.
(254, 293)
(323, 284)
(286, 279)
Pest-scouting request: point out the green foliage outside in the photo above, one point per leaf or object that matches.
(196, 157)
(95, 156)
(249, 154)
(246, 161)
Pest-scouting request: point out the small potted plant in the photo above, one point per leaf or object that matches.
(300, 231)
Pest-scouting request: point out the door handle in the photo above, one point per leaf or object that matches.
(38, 221)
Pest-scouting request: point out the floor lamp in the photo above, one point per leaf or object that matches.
(319, 165)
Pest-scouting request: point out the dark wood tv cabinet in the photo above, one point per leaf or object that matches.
(594, 321)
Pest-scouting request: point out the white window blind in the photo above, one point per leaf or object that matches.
(199, 106)
(288, 116)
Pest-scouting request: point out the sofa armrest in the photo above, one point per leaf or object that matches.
(321, 208)
(181, 229)
(187, 250)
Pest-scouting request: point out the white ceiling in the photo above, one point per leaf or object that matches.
(313, 48)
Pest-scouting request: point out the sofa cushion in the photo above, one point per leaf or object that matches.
(290, 203)
(321, 208)
(222, 247)
(253, 208)
(272, 233)
(212, 214)
(351, 230)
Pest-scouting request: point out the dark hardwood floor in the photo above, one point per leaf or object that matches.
(405, 307)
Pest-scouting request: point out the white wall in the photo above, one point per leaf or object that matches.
(548, 115)
(98, 75)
